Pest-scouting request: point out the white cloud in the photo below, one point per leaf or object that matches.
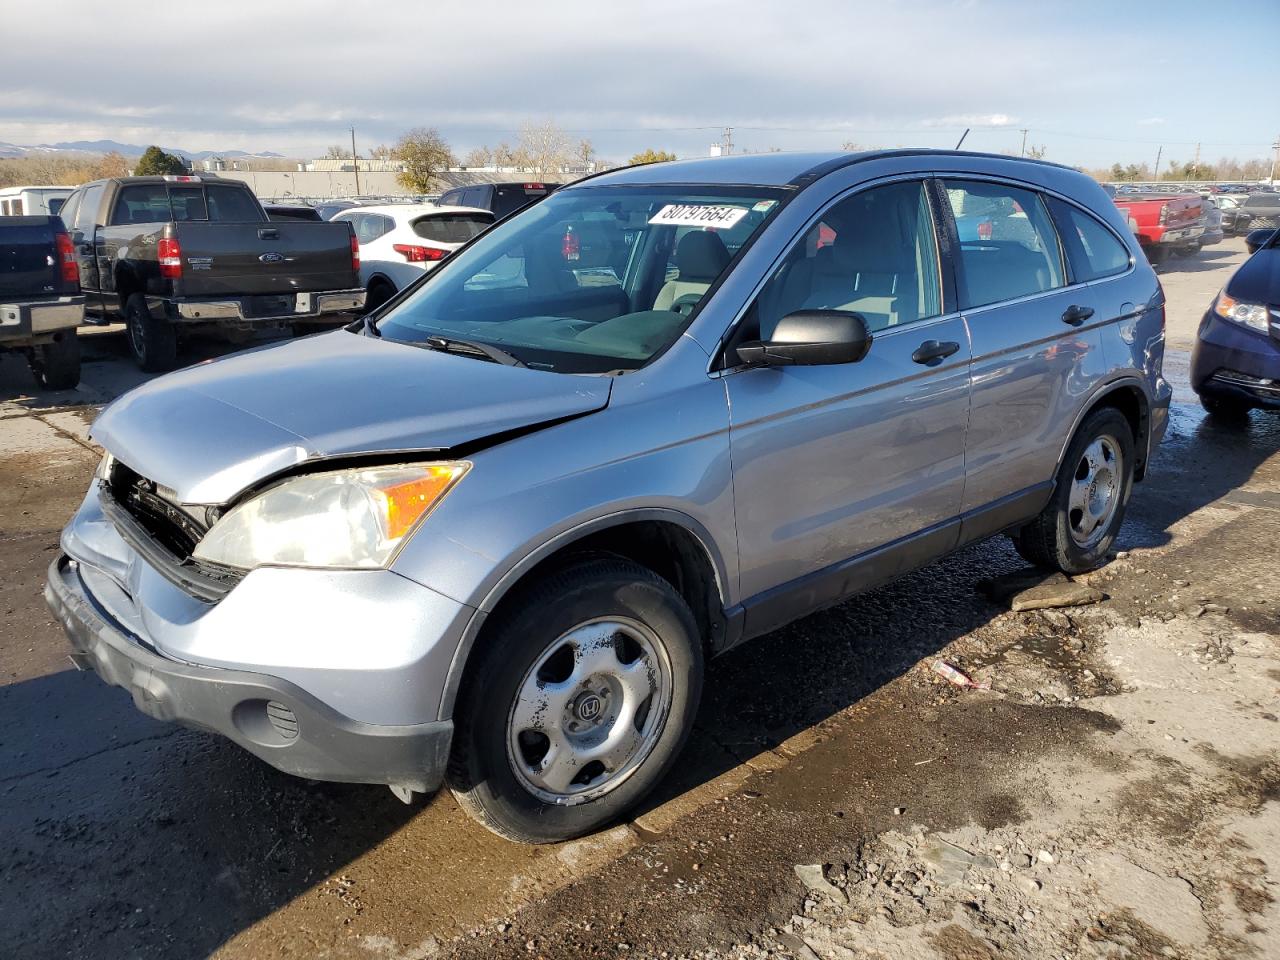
(973, 120)
(1151, 122)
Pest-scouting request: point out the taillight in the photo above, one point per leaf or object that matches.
(170, 258)
(67, 258)
(985, 230)
(571, 245)
(355, 253)
(416, 254)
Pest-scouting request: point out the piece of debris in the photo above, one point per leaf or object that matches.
(1044, 856)
(957, 676)
(814, 877)
(951, 862)
(1050, 595)
(899, 811)
(1000, 589)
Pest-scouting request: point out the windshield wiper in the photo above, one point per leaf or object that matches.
(472, 348)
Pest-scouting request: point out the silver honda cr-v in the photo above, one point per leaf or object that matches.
(492, 533)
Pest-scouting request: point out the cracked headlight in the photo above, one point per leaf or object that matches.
(344, 518)
(1252, 315)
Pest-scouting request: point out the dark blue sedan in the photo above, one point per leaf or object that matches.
(1235, 365)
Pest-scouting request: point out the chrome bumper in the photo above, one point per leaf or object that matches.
(22, 320)
(305, 305)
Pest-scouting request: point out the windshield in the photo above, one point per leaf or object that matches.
(593, 280)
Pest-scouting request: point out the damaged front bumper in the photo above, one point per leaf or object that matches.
(271, 718)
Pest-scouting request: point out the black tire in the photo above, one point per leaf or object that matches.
(1048, 541)
(1157, 255)
(380, 291)
(56, 365)
(481, 772)
(153, 342)
(1225, 409)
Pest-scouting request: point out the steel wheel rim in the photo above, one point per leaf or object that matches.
(589, 711)
(1095, 492)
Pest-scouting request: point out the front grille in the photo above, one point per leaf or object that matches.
(1263, 223)
(164, 532)
(176, 529)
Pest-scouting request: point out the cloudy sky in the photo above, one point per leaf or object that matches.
(1092, 81)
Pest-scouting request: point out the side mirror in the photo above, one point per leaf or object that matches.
(1255, 240)
(811, 338)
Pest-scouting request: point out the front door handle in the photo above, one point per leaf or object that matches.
(933, 352)
(1076, 315)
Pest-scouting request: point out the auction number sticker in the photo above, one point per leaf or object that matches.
(697, 215)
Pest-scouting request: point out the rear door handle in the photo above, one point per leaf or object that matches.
(1076, 315)
(933, 352)
(268, 233)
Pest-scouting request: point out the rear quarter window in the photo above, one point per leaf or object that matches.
(451, 227)
(1092, 249)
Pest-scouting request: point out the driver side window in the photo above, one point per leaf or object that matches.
(874, 253)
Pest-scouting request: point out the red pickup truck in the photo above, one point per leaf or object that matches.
(1165, 223)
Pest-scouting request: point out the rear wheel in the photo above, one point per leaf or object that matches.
(56, 365)
(1225, 408)
(380, 291)
(579, 702)
(1076, 530)
(154, 342)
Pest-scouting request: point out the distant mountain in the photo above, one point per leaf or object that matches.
(127, 149)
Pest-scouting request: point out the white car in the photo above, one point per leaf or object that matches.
(401, 241)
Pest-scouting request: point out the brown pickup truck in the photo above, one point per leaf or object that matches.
(1165, 223)
(169, 254)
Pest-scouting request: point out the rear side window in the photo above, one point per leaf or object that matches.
(451, 227)
(140, 203)
(232, 205)
(55, 205)
(451, 199)
(474, 197)
(68, 210)
(87, 213)
(1008, 247)
(1093, 250)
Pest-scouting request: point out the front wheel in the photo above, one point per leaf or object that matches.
(1075, 531)
(154, 342)
(581, 699)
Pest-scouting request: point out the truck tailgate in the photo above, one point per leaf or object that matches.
(242, 259)
(28, 257)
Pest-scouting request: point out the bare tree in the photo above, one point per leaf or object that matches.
(545, 147)
(336, 152)
(425, 155)
(112, 164)
(1037, 151)
(586, 153)
(478, 157)
(381, 152)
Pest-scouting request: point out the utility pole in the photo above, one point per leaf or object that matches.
(355, 160)
(1159, 151)
(726, 142)
(1275, 157)
(1023, 151)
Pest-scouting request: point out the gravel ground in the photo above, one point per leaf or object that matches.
(1114, 793)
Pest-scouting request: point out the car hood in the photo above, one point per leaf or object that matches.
(212, 430)
(1258, 279)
